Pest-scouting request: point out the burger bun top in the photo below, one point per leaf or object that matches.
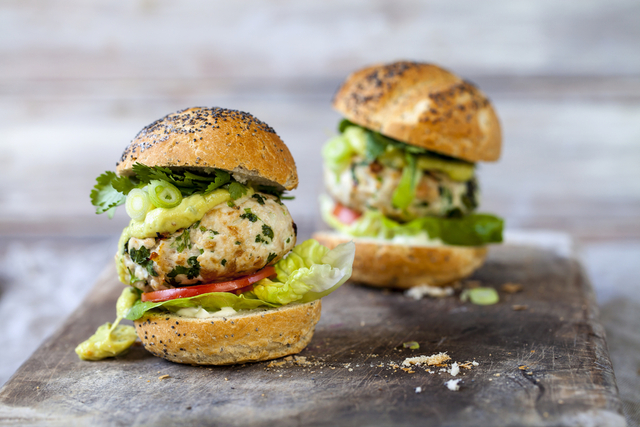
(203, 138)
(422, 105)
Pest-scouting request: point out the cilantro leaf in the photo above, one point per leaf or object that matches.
(221, 179)
(344, 124)
(237, 190)
(191, 272)
(375, 145)
(104, 197)
(124, 184)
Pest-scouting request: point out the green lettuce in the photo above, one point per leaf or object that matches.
(470, 230)
(213, 301)
(356, 140)
(309, 272)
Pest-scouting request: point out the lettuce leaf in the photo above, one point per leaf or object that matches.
(470, 230)
(309, 272)
(211, 302)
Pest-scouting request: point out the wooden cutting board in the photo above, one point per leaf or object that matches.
(546, 365)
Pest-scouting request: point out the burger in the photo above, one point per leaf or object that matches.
(401, 175)
(213, 272)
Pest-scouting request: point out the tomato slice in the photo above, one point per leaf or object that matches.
(345, 215)
(192, 291)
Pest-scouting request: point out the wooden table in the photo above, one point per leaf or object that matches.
(546, 364)
(77, 83)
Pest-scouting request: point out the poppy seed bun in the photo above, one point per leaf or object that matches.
(390, 265)
(422, 105)
(209, 138)
(251, 337)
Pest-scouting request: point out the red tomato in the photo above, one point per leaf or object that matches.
(345, 215)
(192, 291)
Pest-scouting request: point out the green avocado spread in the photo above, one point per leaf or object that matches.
(110, 340)
(190, 210)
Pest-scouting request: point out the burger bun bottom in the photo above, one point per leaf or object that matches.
(394, 265)
(245, 337)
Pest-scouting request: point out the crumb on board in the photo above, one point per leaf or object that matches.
(453, 384)
(418, 390)
(419, 292)
(455, 370)
(523, 367)
(511, 288)
(519, 307)
(434, 359)
(163, 377)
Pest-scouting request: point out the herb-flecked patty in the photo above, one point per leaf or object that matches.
(365, 185)
(230, 241)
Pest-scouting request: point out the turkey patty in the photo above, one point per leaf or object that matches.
(228, 242)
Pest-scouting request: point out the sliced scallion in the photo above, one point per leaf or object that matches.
(163, 194)
(138, 204)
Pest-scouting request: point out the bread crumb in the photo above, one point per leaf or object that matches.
(474, 363)
(455, 370)
(519, 307)
(419, 292)
(523, 367)
(511, 288)
(288, 358)
(497, 375)
(418, 389)
(533, 351)
(163, 377)
(453, 385)
(434, 359)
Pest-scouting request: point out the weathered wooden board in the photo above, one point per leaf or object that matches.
(349, 380)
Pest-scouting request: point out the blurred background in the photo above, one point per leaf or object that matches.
(78, 79)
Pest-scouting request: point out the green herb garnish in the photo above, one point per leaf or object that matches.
(237, 190)
(249, 215)
(141, 257)
(182, 241)
(191, 272)
(267, 231)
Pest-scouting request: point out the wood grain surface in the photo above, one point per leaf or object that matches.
(349, 375)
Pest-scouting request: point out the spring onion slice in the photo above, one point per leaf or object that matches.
(138, 204)
(163, 194)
